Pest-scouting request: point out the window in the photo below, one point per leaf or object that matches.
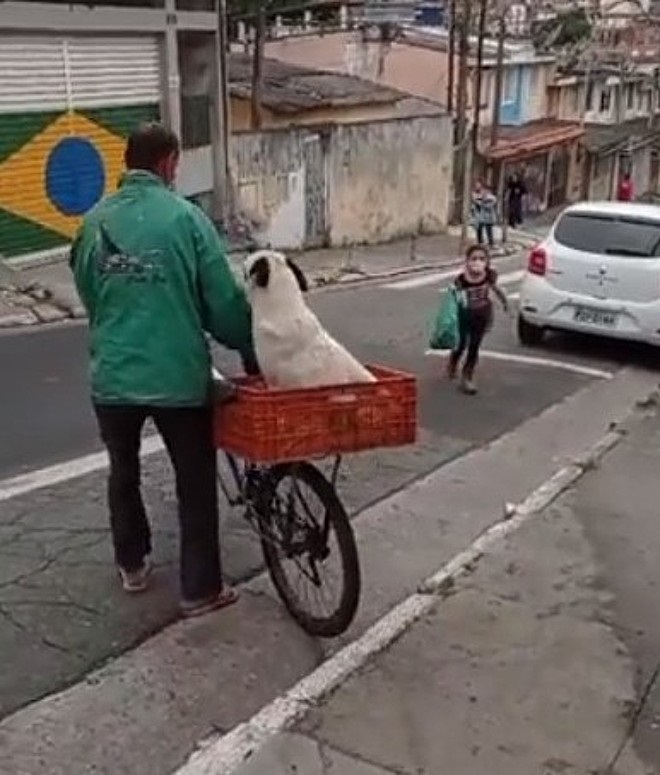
(196, 67)
(115, 3)
(605, 99)
(609, 235)
(509, 85)
(590, 95)
(195, 5)
(575, 93)
(630, 97)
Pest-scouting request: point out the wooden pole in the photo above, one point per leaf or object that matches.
(451, 57)
(478, 79)
(463, 52)
(499, 79)
(256, 118)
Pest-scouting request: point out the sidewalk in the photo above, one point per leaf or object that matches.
(44, 294)
(515, 670)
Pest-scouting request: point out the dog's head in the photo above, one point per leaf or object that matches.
(267, 269)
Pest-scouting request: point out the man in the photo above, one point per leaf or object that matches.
(483, 211)
(515, 192)
(152, 274)
(625, 192)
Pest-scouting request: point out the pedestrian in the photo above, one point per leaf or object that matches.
(515, 191)
(475, 285)
(153, 276)
(484, 213)
(625, 191)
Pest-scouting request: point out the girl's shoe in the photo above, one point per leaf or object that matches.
(468, 387)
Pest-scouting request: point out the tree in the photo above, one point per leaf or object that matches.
(567, 29)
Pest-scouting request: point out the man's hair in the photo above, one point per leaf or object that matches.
(148, 145)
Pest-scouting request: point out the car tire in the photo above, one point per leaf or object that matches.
(529, 334)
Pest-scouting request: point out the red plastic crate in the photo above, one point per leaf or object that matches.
(274, 426)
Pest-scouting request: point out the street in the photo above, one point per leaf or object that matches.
(62, 612)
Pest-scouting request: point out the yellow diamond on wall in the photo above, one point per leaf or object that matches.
(61, 173)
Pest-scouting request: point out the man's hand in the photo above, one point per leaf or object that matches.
(250, 365)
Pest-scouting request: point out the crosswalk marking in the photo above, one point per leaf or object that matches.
(438, 277)
(530, 360)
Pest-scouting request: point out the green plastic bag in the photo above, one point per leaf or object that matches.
(445, 332)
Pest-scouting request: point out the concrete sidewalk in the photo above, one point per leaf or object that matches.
(521, 668)
(45, 293)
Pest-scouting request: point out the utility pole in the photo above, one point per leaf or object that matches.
(221, 108)
(451, 57)
(462, 81)
(257, 68)
(462, 168)
(499, 77)
(481, 33)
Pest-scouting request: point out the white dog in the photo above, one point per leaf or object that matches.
(292, 347)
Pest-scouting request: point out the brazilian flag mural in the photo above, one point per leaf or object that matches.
(54, 167)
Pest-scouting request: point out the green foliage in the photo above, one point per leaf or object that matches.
(567, 29)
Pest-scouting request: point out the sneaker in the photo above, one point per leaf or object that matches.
(468, 387)
(192, 608)
(136, 580)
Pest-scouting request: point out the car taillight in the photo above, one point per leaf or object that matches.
(538, 261)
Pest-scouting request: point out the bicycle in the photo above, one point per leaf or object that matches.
(290, 534)
(267, 439)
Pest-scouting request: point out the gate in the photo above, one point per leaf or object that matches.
(559, 177)
(314, 154)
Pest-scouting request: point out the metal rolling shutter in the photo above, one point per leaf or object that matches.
(51, 88)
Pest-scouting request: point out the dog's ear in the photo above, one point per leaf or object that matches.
(260, 271)
(298, 274)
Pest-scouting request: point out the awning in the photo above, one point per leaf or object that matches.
(532, 138)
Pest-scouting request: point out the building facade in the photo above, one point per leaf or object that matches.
(75, 79)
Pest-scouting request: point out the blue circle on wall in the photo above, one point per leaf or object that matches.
(75, 176)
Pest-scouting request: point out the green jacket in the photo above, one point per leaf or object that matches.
(152, 273)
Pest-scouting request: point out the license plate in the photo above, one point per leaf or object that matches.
(595, 317)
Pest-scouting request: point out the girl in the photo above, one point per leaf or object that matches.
(475, 284)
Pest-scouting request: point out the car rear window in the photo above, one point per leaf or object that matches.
(612, 235)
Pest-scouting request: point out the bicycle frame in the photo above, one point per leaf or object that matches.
(241, 477)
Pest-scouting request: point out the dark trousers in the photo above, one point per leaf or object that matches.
(187, 434)
(472, 331)
(515, 213)
(485, 232)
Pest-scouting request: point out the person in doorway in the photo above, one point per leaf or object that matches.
(625, 191)
(484, 213)
(515, 192)
(152, 274)
(475, 285)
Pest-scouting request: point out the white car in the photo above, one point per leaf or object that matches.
(597, 272)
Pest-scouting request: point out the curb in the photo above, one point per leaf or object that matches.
(225, 755)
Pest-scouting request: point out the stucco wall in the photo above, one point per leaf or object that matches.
(269, 176)
(367, 182)
(389, 179)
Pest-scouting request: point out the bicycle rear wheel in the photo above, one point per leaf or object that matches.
(295, 537)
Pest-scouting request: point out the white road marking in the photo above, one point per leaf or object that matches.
(229, 753)
(63, 472)
(530, 360)
(438, 277)
(72, 469)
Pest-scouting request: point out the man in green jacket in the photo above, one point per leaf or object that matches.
(152, 273)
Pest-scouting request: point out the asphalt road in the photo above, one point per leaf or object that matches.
(58, 594)
(46, 418)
